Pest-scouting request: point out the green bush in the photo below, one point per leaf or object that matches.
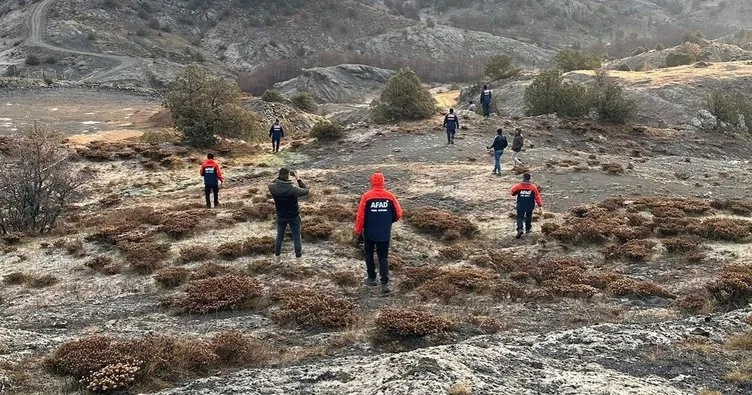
(549, 94)
(327, 131)
(727, 107)
(204, 107)
(32, 60)
(568, 60)
(501, 67)
(679, 59)
(609, 100)
(273, 96)
(403, 99)
(305, 101)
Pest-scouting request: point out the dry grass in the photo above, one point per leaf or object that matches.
(195, 253)
(460, 389)
(694, 303)
(214, 294)
(145, 258)
(33, 281)
(98, 263)
(171, 277)
(441, 223)
(629, 287)
(347, 278)
(316, 229)
(453, 253)
(733, 286)
(402, 322)
(456, 281)
(258, 212)
(15, 278)
(312, 308)
(634, 250)
(742, 341)
(612, 168)
(337, 212)
(251, 246)
(682, 244)
(209, 270)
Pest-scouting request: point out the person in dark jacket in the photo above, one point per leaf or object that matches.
(527, 197)
(517, 144)
(377, 210)
(286, 194)
(499, 144)
(276, 133)
(485, 101)
(451, 123)
(213, 178)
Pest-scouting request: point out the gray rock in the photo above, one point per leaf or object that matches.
(346, 83)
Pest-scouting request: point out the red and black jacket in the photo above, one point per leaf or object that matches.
(377, 210)
(527, 196)
(211, 172)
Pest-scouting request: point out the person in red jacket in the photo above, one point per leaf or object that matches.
(213, 178)
(527, 197)
(377, 211)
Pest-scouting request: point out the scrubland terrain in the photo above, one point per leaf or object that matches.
(635, 280)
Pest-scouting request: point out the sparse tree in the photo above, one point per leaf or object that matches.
(403, 99)
(204, 107)
(568, 60)
(501, 67)
(609, 100)
(549, 94)
(37, 181)
(305, 101)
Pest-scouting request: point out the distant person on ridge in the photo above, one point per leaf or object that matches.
(517, 144)
(377, 211)
(286, 194)
(527, 197)
(498, 145)
(451, 123)
(276, 133)
(213, 178)
(485, 101)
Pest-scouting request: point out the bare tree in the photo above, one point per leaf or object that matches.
(37, 181)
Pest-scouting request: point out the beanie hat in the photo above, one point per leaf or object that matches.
(284, 174)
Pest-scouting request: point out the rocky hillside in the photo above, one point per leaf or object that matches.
(347, 83)
(143, 41)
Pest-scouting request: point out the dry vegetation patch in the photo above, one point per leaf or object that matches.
(228, 292)
(401, 322)
(441, 223)
(315, 308)
(251, 246)
(316, 229)
(733, 286)
(634, 250)
(257, 212)
(171, 277)
(194, 253)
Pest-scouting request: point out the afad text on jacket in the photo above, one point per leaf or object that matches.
(211, 172)
(527, 196)
(377, 210)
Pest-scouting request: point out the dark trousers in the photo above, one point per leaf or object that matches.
(382, 250)
(208, 190)
(486, 109)
(294, 229)
(275, 144)
(450, 135)
(526, 217)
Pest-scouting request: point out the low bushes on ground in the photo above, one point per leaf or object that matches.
(733, 286)
(195, 253)
(455, 281)
(441, 223)
(501, 67)
(229, 292)
(171, 277)
(316, 228)
(308, 307)
(251, 246)
(327, 131)
(305, 101)
(569, 60)
(629, 287)
(273, 96)
(258, 211)
(634, 250)
(145, 258)
(404, 322)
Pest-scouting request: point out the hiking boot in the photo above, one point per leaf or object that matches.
(385, 288)
(277, 259)
(519, 234)
(300, 261)
(371, 282)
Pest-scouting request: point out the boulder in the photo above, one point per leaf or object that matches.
(346, 83)
(704, 120)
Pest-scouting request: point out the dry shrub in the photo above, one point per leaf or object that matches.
(511, 290)
(347, 278)
(194, 253)
(454, 253)
(171, 277)
(194, 355)
(179, 224)
(406, 322)
(337, 212)
(259, 245)
(396, 262)
(15, 278)
(259, 211)
(628, 287)
(209, 270)
(725, 229)
(316, 228)
(112, 378)
(312, 308)
(567, 290)
(231, 250)
(112, 269)
(214, 294)
(42, 281)
(460, 389)
(689, 206)
(417, 275)
(694, 303)
(441, 223)
(80, 358)
(733, 287)
(682, 244)
(741, 341)
(145, 258)
(98, 263)
(663, 212)
(634, 250)
(440, 290)
(612, 168)
(667, 227)
(234, 348)
(628, 233)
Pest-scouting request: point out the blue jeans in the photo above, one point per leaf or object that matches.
(497, 161)
(486, 109)
(294, 229)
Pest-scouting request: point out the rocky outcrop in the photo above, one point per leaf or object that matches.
(711, 51)
(346, 83)
(704, 120)
(445, 42)
(590, 360)
(347, 114)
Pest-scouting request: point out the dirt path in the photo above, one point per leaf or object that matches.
(37, 38)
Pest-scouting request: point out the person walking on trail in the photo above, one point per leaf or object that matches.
(527, 197)
(213, 178)
(377, 211)
(517, 144)
(286, 193)
(485, 101)
(276, 133)
(498, 145)
(451, 123)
